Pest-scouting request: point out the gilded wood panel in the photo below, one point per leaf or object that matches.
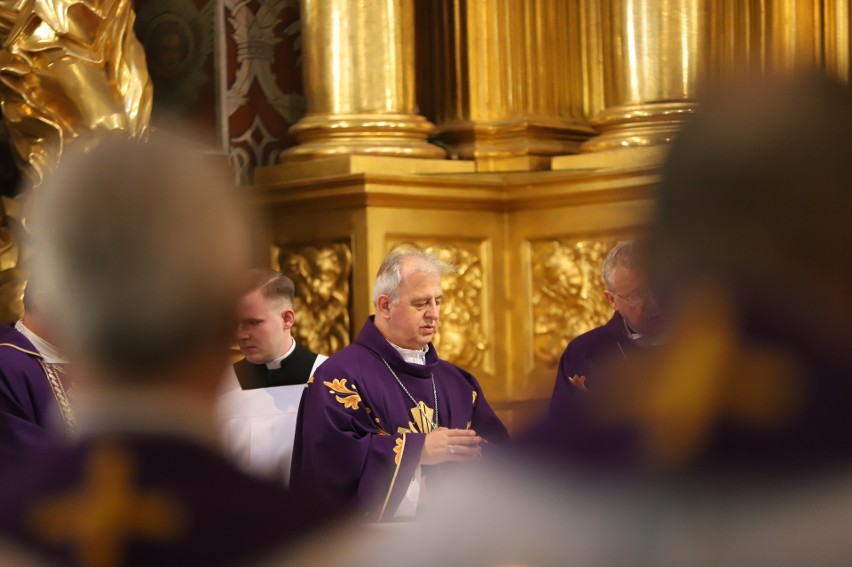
(322, 274)
(566, 292)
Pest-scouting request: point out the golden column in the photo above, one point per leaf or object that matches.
(837, 19)
(467, 52)
(551, 93)
(507, 76)
(654, 54)
(359, 81)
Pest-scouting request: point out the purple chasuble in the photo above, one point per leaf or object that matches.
(136, 499)
(579, 363)
(359, 436)
(28, 405)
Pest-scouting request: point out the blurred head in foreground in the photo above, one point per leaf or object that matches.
(139, 247)
(749, 253)
(751, 244)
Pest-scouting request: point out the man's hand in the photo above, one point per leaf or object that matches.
(450, 445)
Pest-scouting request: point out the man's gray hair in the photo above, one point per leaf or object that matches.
(627, 253)
(389, 277)
(140, 248)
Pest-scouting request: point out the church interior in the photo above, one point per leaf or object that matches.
(521, 143)
(517, 140)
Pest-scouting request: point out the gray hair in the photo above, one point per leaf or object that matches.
(627, 253)
(140, 248)
(389, 277)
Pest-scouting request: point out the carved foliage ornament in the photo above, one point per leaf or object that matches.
(461, 336)
(67, 68)
(322, 274)
(567, 292)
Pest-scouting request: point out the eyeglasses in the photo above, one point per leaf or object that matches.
(637, 298)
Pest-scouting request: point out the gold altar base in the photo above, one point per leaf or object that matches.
(556, 137)
(502, 139)
(495, 139)
(335, 166)
(648, 124)
(323, 135)
(528, 246)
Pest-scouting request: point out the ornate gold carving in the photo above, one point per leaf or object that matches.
(322, 275)
(461, 337)
(567, 292)
(66, 69)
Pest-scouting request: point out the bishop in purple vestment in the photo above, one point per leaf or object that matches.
(384, 414)
(637, 322)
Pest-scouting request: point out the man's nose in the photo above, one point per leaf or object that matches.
(432, 309)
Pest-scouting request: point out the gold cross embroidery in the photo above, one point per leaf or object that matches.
(422, 415)
(103, 514)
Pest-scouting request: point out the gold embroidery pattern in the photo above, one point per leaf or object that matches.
(54, 374)
(398, 450)
(475, 396)
(309, 382)
(422, 423)
(379, 429)
(351, 397)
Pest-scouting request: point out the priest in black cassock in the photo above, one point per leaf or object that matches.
(266, 318)
(260, 400)
(637, 322)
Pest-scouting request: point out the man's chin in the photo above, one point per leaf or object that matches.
(654, 329)
(254, 359)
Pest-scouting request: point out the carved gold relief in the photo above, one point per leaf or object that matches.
(66, 69)
(567, 292)
(462, 338)
(322, 276)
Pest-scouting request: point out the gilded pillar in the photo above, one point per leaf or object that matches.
(653, 55)
(836, 21)
(506, 76)
(467, 55)
(793, 33)
(359, 72)
(552, 92)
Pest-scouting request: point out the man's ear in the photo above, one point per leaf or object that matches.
(383, 305)
(610, 298)
(289, 317)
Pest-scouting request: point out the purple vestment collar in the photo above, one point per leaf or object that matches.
(372, 339)
(9, 334)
